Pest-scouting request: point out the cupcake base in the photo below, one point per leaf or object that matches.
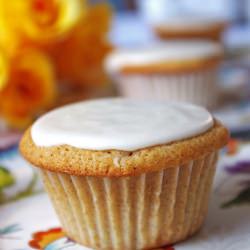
(209, 33)
(195, 87)
(213, 35)
(137, 212)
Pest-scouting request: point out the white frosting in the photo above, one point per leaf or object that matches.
(171, 51)
(121, 124)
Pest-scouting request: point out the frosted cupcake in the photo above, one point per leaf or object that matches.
(125, 174)
(190, 27)
(179, 70)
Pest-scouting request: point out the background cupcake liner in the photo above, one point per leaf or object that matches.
(138, 212)
(197, 87)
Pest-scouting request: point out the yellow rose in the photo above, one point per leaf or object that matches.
(79, 58)
(8, 39)
(30, 88)
(42, 20)
(3, 69)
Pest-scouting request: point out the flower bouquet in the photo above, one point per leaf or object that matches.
(49, 49)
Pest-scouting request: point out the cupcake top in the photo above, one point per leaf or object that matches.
(166, 55)
(118, 137)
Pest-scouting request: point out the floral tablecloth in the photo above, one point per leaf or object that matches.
(27, 220)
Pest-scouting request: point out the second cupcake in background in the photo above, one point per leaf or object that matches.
(177, 71)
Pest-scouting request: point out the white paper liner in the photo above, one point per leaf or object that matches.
(139, 212)
(200, 87)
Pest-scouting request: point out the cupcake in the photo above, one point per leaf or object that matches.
(178, 70)
(190, 27)
(126, 174)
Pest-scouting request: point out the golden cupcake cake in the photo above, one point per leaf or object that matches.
(126, 174)
(177, 71)
(190, 27)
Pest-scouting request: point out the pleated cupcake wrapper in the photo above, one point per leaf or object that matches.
(197, 87)
(138, 212)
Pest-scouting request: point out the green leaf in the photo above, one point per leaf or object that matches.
(10, 229)
(29, 190)
(6, 178)
(242, 198)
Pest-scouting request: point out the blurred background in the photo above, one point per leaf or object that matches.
(52, 52)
